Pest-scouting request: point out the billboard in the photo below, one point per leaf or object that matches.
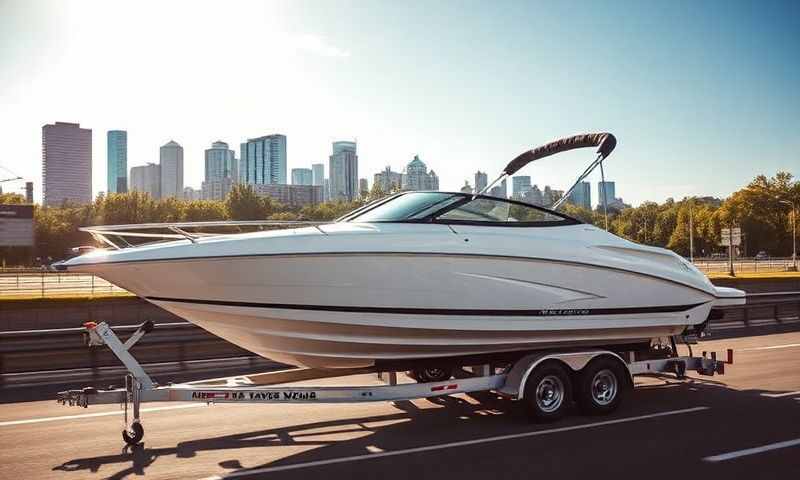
(16, 225)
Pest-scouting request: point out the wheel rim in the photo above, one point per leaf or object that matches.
(435, 373)
(604, 387)
(549, 394)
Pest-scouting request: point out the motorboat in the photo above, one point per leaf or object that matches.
(416, 276)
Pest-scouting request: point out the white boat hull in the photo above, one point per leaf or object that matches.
(342, 310)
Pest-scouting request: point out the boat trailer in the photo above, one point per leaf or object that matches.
(542, 380)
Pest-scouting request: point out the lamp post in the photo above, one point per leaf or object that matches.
(794, 233)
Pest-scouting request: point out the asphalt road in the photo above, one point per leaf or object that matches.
(722, 427)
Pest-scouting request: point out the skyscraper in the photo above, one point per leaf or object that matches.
(66, 164)
(387, 180)
(262, 160)
(318, 174)
(117, 161)
(302, 176)
(171, 162)
(220, 171)
(606, 190)
(417, 176)
(343, 171)
(481, 180)
(520, 186)
(363, 187)
(147, 179)
(582, 195)
(500, 191)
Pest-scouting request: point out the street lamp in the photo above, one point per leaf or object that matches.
(794, 233)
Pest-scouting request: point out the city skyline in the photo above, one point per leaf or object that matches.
(697, 87)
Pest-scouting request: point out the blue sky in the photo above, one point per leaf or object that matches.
(702, 96)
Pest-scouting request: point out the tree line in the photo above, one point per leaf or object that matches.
(758, 208)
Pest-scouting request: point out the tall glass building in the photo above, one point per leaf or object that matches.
(262, 160)
(302, 176)
(318, 174)
(171, 163)
(520, 186)
(607, 191)
(343, 172)
(221, 171)
(582, 195)
(117, 161)
(66, 164)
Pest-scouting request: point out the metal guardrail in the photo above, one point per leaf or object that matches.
(44, 284)
(64, 348)
(743, 265)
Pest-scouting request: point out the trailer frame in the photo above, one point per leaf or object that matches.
(509, 381)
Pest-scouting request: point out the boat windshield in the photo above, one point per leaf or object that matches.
(408, 206)
(457, 208)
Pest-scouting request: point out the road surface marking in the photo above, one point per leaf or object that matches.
(772, 347)
(356, 458)
(752, 451)
(779, 395)
(99, 414)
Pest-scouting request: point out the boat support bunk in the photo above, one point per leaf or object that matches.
(544, 382)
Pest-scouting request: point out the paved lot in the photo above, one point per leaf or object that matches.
(668, 429)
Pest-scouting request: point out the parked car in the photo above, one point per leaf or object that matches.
(762, 255)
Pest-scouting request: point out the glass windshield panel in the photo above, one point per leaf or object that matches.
(496, 210)
(409, 206)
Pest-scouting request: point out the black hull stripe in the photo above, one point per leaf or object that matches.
(579, 312)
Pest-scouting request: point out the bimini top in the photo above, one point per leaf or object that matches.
(456, 208)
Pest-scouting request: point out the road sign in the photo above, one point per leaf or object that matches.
(728, 235)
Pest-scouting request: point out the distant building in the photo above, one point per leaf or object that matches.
(343, 172)
(302, 176)
(326, 190)
(66, 164)
(117, 161)
(606, 191)
(363, 187)
(500, 191)
(551, 196)
(467, 188)
(318, 174)
(520, 186)
(481, 180)
(291, 195)
(263, 160)
(171, 162)
(221, 172)
(192, 194)
(417, 176)
(581, 196)
(147, 179)
(533, 196)
(387, 180)
(28, 192)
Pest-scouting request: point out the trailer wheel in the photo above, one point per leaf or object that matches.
(601, 386)
(547, 392)
(432, 374)
(134, 434)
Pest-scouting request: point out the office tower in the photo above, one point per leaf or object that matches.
(533, 196)
(387, 180)
(481, 180)
(302, 176)
(500, 191)
(582, 195)
(606, 190)
(291, 195)
(147, 179)
(263, 160)
(417, 176)
(192, 194)
(220, 171)
(343, 172)
(520, 186)
(117, 161)
(29, 192)
(171, 162)
(318, 174)
(66, 164)
(363, 187)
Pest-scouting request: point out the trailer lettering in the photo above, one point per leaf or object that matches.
(209, 395)
(299, 395)
(264, 396)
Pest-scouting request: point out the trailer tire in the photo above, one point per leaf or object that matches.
(548, 392)
(133, 435)
(602, 385)
(432, 374)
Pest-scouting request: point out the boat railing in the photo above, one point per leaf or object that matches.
(116, 236)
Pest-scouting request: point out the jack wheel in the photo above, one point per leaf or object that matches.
(134, 434)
